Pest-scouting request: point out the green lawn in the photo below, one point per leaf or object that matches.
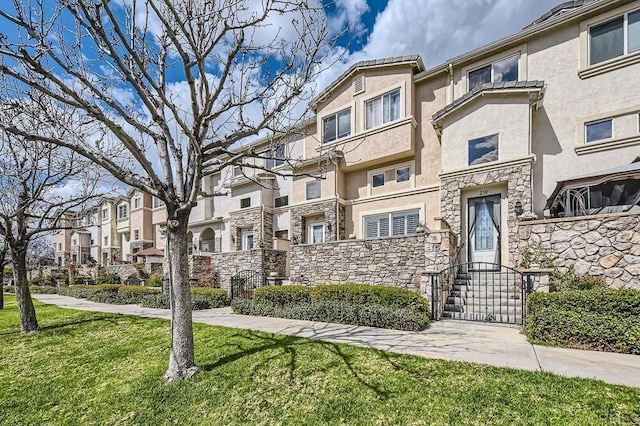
(90, 368)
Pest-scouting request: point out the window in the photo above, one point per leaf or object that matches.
(247, 239)
(157, 202)
(136, 234)
(59, 246)
(502, 70)
(336, 126)
(75, 242)
(106, 241)
(137, 203)
(245, 202)
(316, 233)
(395, 224)
(599, 130)
(377, 180)
(614, 38)
(122, 211)
(105, 214)
(483, 150)
(383, 109)
(313, 190)
(92, 241)
(127, 237)
(281, 201)
(403, 174)
(276, 156)
(237, 171)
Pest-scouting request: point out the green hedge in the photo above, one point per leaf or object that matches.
(338, 312)
(34, 289)
(283, 295)
(606, 320)
(358, 304)
(364, 294)
(201, 298)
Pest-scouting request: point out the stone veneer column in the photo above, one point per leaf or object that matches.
(242, 219)
(518, 179)
(334, 229)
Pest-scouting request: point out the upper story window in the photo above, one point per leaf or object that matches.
(105, 214)
(245, 202)
(276, 156)
(403, 174)
(336, 126)
(106, 241)
(157, 202)
(136, 234)
(382, 110)
(237, 171)
(122, 211)
(483, 150)
(599, 130)
(137, 202)
(313, 190)
(617, 37)
(377, 180)
(503, 70)
(281, 201)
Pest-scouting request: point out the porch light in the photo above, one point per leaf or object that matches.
(518, 208)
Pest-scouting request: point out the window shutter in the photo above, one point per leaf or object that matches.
(399, 227)
(384, 227)
(412, 222)
(371, 228)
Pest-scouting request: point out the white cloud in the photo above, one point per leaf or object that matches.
(441, 29)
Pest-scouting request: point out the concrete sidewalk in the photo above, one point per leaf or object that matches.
(497, 345)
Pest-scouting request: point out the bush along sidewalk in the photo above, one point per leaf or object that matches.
(150, 297)
(604, 320)
(356, 304)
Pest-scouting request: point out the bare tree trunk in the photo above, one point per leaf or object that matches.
(182, 359)
(23, 295)
(3, 259)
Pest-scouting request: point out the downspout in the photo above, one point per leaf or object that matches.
(337, 195)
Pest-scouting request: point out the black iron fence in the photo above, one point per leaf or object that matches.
(480, 292)
(245, 282)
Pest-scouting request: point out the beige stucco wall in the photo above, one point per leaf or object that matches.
(141, 218)
(430, 98)
(508, 116)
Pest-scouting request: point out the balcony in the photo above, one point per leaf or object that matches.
(122, 225)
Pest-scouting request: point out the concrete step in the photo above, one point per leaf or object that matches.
(491, 317)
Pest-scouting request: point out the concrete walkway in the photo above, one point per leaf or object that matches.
(497, 345)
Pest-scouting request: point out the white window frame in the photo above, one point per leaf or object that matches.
(281, 197)
(272, 160)
(105, 214)
(613, 130)
(625, 35)
(381, 98)
(237, 171)
(125, 208)
(402, 168)
(247, 236)
(106, 241)
(136, 235)
(390, 216)
(248, 202)
(491, 64)
(307, 190)
(310, 228)
(336, 114)
(137, 203)
(384, 179)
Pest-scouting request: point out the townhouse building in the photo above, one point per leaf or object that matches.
(527, 143)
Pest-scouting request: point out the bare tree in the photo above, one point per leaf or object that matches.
(4, 250)
(32, 175)
(157, 91)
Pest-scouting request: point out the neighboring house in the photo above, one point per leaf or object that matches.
(140, 222)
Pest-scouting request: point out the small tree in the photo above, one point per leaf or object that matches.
(31, 174)
(157, 92)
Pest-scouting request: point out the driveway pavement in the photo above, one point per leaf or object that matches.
(491, 344)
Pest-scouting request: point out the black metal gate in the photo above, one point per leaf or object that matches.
(244, 282)
(480, 292)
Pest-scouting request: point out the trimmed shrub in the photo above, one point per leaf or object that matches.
(569, 280)
(364, 294)
(155, 280)
(370, 315)
(98, 293)
(130, 294)
(108, 278)
(283, 295)
(158, 300)
(208, 298)
(605, 320)
(9, 289)
(39, 280)
(43, 289)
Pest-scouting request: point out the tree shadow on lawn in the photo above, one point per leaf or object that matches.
(289, 346)
(64, 325)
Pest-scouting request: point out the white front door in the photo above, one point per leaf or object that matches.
(315, 233)
(484, 232)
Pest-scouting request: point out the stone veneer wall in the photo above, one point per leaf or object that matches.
(123, 271)
(328, 209)
(603, 245)
(114, 254)
(390, 261)
(518, 179)
(265, 261)
(246, 218)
